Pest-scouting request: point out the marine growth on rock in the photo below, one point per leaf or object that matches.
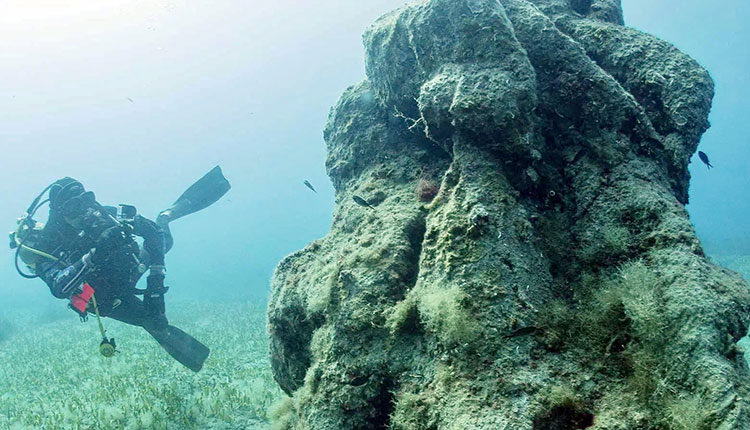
(561, 140)
(427, 190)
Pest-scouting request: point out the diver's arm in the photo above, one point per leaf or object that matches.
(65, 281)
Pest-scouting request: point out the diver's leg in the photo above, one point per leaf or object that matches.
(166, 238)
(180, 345)
(162, 221)
(131, 310)
(202, 194)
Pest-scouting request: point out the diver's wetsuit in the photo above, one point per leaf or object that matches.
(112, 276)
(84, 243)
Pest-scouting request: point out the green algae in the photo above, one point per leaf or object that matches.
(560, 208)
(67, 384)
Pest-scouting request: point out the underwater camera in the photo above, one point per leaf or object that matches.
(126, 213)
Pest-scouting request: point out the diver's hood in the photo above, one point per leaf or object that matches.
(69, 198)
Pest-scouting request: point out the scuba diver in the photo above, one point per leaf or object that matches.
(87, 253)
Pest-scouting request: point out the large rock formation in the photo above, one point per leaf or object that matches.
(527, 261)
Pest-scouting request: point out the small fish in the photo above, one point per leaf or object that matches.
(704, 158)
(131, 100)
(523, 331)
(309, 185)
(362, 202)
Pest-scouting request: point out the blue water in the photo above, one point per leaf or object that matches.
(139, 99)
(715, 34)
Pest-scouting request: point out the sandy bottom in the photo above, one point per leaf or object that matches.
(53, 377)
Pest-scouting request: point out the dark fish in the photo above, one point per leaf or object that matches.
(524, 331)
(362, 202)
(309, 185)
(704, 158)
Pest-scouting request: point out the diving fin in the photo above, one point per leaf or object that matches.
(202, 194)
(182, 347)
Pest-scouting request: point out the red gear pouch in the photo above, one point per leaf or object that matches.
(80, 301)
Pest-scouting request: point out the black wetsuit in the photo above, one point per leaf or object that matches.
(112, 276)
(85, 243)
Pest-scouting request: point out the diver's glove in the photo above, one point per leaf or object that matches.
(153, 298)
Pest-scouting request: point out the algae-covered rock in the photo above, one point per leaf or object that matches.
(550, 277)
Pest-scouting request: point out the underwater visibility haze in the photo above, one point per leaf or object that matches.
(488, 217)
